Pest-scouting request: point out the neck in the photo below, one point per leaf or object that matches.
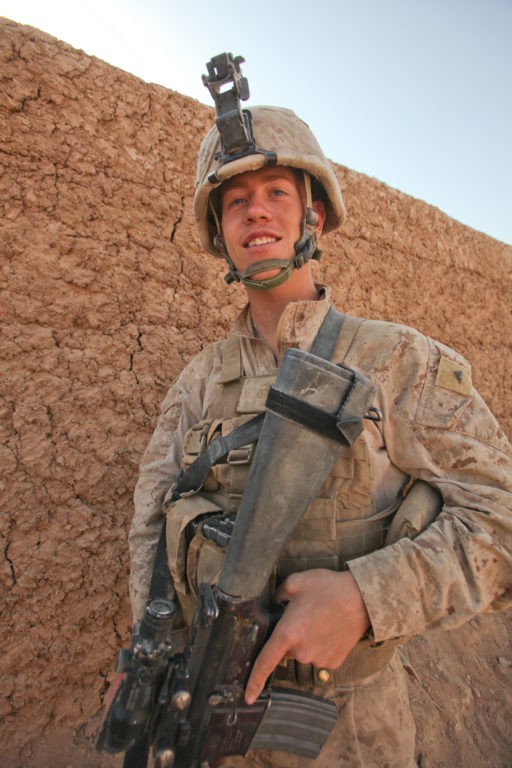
(268, 306)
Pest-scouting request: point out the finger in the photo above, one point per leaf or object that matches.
(292, 586)
(269, 657)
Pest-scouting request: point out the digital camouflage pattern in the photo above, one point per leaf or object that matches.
(435, 428)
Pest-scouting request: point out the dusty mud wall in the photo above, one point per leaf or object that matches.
(105, 295)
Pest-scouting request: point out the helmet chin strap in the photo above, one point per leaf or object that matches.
(305, 248)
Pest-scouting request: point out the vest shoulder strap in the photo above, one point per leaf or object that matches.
(328, 334)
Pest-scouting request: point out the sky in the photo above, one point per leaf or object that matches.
(415, 93)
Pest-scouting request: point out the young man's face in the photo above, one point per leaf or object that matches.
(262, 213)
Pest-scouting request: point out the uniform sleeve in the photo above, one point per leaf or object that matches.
(437, 428)
(181, 408)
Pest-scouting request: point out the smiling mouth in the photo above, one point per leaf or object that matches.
(261, 241)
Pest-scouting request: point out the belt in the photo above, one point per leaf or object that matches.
(365, 659)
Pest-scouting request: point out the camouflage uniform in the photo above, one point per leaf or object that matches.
(435, 428)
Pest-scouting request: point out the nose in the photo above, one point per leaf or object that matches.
(257, 208)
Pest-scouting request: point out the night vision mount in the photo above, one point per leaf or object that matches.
(233, 123)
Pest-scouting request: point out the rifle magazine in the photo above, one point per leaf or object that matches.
(296, 722)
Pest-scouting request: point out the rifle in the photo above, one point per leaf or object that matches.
(190, 706)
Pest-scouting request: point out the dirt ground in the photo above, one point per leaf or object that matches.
(105, 296)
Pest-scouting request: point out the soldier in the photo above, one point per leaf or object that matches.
(412, 529)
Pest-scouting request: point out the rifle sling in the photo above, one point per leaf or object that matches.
(191, 480)
(328, 333)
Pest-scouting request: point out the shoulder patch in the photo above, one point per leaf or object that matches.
(454, 376)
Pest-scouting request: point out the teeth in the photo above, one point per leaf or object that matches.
(261, 241)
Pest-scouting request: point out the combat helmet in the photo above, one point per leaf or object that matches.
(246, 140)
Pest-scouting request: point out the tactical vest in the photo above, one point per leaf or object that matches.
(342, 523)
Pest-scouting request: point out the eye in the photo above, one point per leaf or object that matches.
(233, 200)
(237, 198)
(278, 192)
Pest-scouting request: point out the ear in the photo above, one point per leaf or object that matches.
(319, 209)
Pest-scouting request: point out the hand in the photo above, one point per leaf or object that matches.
(325, 617)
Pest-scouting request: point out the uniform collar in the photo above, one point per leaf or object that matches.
(298, 324)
